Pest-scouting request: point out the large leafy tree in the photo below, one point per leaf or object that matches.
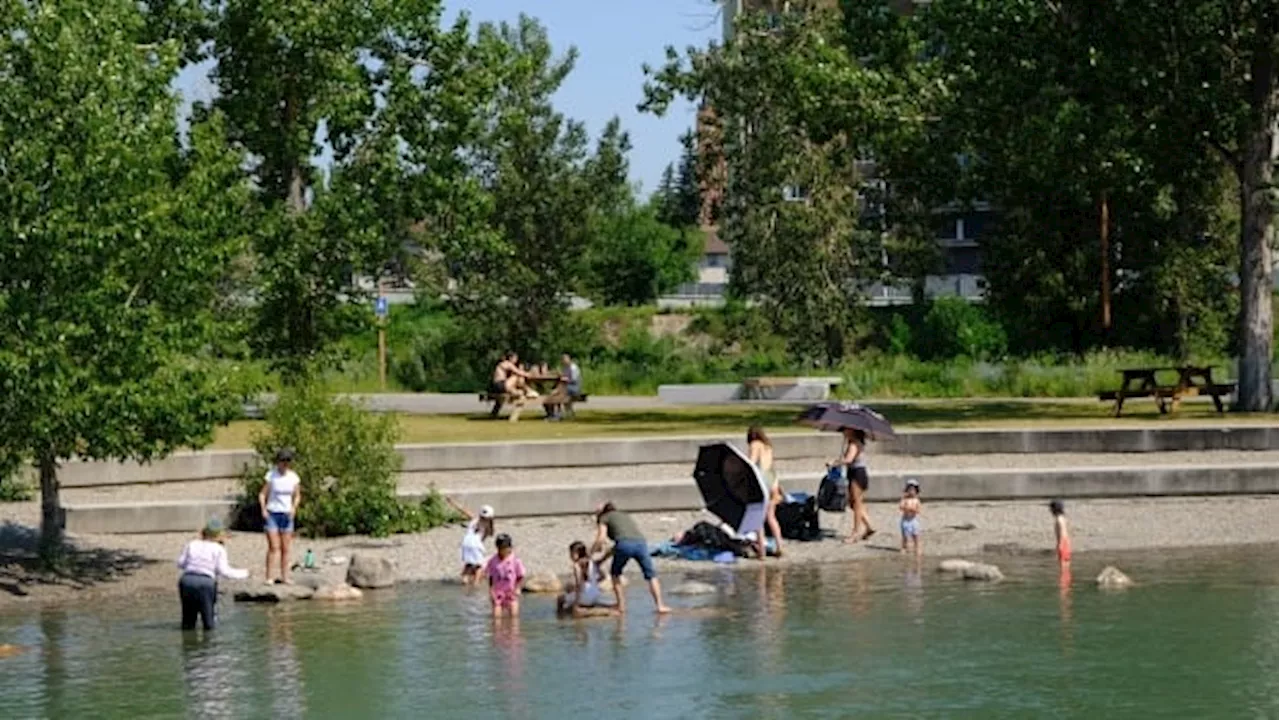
(115, 239)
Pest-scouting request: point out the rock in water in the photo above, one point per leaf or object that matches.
(339, 591)
(982, 571)
(1111, 577)
(693, 588)
(273, 593)
(954, 565)
(371, 571)
(543, 583)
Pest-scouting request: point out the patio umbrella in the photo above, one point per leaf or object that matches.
(838, 416)
(731, 486)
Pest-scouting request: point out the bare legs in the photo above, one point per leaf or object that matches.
(655, 590)
(273, 547)
(861, 519)
(771, 519)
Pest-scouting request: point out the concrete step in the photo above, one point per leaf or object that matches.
(682, 494)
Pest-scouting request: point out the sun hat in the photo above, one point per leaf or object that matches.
(213, 528)
(486, 512)
(284, 455)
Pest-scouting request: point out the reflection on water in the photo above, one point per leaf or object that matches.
(1197, 637)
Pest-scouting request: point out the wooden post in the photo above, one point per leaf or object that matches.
(382, 344)
(1103, 223)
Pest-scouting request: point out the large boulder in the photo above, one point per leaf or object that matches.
(541, 583)
(1112, 579)
(982, 571)
(954, 565)
(693, 587)
(371, 571)
(337, 591)
(273, 593)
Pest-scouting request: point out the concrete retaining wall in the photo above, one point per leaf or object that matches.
(214, 465)
(682, 494)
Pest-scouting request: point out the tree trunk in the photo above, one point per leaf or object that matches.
(1104, 222)
(51, 519)
(1257, 233)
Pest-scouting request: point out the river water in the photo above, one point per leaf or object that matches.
(1196, 639)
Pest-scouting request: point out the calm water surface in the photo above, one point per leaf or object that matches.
(1197, 639)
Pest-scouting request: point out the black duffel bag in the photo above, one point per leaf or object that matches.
(833, 491)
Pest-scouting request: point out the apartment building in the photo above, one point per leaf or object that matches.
(959, 234)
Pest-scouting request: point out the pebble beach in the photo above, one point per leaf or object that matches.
(114, 566)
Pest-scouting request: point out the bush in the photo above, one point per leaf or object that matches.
(348, 463)
(953, 327)
(13, 489)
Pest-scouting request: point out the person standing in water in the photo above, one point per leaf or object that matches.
(201, 562)
(760, 452)
(854, 459)
(1061, 534)
(279, 499)
(506, 578)
(628, 544)
(479, 529)
(910, 508)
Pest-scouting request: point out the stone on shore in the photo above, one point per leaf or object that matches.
(273, 593)
(543, 583)
(982, 571)
(954, 565)
(371, 571)
(338, 591)
(1111, 578)
(693, 587)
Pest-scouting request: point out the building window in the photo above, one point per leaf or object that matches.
(795, 193)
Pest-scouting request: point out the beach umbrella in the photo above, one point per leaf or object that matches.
(731, 485)
(838, 416)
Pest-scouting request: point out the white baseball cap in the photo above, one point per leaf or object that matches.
(486, 511)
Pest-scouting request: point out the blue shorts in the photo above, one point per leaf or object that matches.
(625, 551)
(279, 522)
(911, 528)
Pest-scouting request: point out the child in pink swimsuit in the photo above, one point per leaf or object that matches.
(506, 578)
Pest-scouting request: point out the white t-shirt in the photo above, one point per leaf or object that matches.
(280, 487)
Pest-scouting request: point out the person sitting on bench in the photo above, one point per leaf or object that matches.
(570, 385)
(508, 377)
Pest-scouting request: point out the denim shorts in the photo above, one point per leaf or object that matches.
(279, 522)
(625, 551)
(911, 527)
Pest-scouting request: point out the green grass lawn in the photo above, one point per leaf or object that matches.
(735, 419)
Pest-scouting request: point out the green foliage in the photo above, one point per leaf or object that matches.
(115, 242)
(636, 257)
(13, 489)
(954, 327)
(348, 463)
(899, 336)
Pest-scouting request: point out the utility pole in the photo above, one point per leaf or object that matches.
(380, 308)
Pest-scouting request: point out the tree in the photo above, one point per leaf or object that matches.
(116, 237)
(635, 257)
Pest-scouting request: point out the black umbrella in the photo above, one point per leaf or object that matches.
(729, 483)
(838, 416)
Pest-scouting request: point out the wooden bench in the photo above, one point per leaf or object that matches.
(1191, 381)
(518, 402)
(766, 388)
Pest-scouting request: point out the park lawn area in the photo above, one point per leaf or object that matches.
(733, 420)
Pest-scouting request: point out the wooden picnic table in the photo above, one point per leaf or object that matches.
(1192, 380)
(557, 395)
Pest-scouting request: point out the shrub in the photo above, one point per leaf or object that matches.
(13, 489)
(953, 327)
(348, 463)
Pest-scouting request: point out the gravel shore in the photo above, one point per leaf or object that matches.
(129, 565)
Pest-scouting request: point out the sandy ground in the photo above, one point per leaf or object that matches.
(128, 565)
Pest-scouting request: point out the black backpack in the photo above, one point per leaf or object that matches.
(833, 491)
(798, 518)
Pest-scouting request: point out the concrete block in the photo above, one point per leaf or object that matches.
(703, 394)
(146, 517)
(181, 466)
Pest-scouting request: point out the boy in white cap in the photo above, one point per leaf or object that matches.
(479, 529)
(910, 507)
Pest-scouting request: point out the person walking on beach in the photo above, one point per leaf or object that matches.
(479, 529)
(1061, 534)
(279, 499)
(760, 452)
(910, 523)
(201, 562)
(854, 459)
(628, 544)
(506, 578)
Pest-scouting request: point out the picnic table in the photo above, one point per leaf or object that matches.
(788, 388)
(551, 391)
(1192, 380)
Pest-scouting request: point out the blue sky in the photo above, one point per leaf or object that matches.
(614, 38)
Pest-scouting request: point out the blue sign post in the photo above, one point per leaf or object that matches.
(380, 306)
(380, 309)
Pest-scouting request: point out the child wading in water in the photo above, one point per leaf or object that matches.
(506, 578)
(586, 583)
(1060, 532)
(479, 529)
(910, 507)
